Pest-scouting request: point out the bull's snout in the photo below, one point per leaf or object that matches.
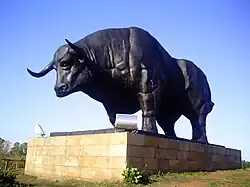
(61, 88)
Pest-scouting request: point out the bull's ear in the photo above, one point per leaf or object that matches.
(82, 55)
(79, 52)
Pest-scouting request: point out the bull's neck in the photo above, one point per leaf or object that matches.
(89, 52)
(102, 88)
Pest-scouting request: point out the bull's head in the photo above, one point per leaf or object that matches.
(74, 67)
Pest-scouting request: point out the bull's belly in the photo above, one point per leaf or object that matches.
(124, 103)
(127, 108)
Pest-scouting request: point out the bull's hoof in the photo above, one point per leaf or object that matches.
(202, 139)
(151, 130)
(149, 124)
(171, 137)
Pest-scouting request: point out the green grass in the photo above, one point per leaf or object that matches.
(235, 178)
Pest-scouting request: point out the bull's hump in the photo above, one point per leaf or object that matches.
(110, 45)
(106, 37)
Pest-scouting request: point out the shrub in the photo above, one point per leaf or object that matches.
(245, 164)
(132, 175)
(8, 179)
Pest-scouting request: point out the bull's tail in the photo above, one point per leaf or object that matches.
(207, 108)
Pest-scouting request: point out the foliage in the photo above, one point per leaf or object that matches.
(17, 150)
(245, 164)
(8, 178)
(12, 157)
(132, 175)
(4, 147)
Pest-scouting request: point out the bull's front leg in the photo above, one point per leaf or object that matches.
(111, 114)
(148, 97)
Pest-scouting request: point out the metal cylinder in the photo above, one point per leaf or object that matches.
(125, 121)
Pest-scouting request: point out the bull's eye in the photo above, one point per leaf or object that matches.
(65, 64)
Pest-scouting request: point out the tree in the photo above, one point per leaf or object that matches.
(4, 147)
(19, 149)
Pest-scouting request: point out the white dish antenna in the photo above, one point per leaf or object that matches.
(39, 130)
(125, 121)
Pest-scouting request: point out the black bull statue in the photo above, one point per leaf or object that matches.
(127, 70)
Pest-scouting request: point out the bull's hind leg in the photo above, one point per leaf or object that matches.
(167, 122)
(190, 113)
(202, 113)
(197, 133)
(197, 118)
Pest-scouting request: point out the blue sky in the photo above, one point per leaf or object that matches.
(213, 34)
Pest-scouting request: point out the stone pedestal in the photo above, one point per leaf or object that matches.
(99, 155)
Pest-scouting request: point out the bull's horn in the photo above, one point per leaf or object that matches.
(77, 49)
(46, 70)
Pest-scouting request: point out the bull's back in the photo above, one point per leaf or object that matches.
(133, 41)
(105, 37)
(129, 48)
(125, 50)
(196, 83)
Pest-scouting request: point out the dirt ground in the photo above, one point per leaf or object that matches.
(236, 178)
(188, 183)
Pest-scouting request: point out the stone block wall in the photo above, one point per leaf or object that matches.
(98, 156)
(104, 156)
(160, 154)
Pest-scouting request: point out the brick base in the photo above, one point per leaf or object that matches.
(104, 156)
